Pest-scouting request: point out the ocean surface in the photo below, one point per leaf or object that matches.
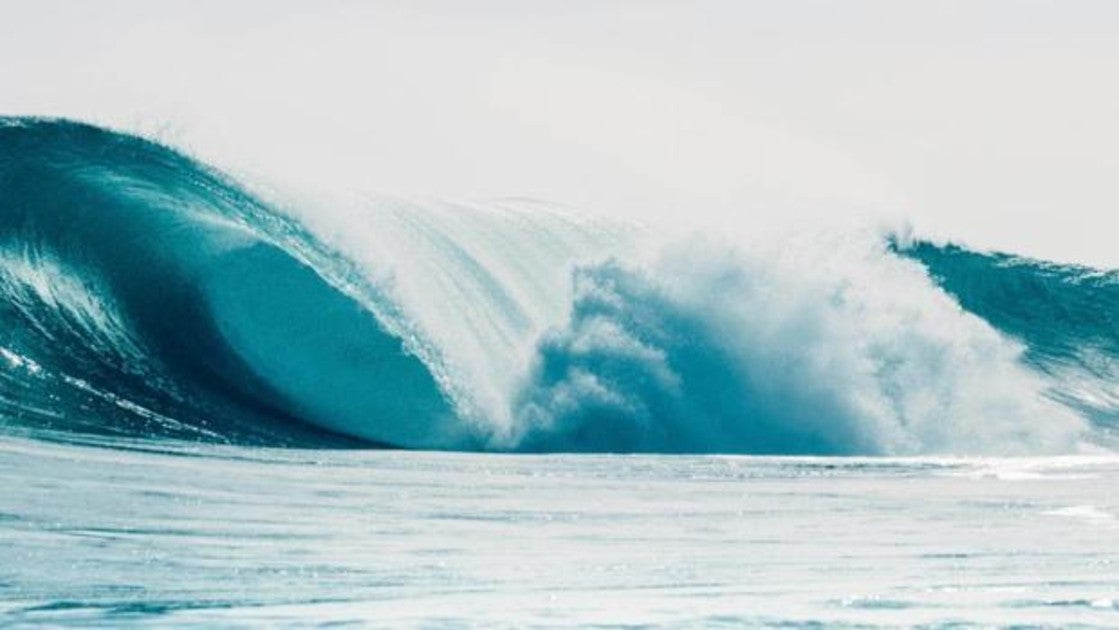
(141, 533)
(223, 404)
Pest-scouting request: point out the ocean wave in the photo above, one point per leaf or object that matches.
(148, 295)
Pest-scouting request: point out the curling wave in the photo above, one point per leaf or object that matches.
(147, 295)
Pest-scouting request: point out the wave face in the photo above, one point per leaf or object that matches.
(1066, 315)
(147, 295)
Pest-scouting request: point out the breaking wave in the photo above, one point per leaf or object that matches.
(147, 295)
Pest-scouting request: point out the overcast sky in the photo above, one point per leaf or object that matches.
(996, 123)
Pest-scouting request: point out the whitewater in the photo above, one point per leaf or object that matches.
(222, 404)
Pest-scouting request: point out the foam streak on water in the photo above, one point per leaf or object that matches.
(216, 535)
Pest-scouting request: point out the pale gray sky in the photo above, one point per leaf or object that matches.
(993, 122)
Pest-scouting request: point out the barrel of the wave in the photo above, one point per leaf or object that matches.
(209, 288)
(319, 351)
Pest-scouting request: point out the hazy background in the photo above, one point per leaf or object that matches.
(995, 123)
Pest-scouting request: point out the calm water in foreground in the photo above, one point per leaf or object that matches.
(150, 534)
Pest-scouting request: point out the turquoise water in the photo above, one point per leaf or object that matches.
(221, 408)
